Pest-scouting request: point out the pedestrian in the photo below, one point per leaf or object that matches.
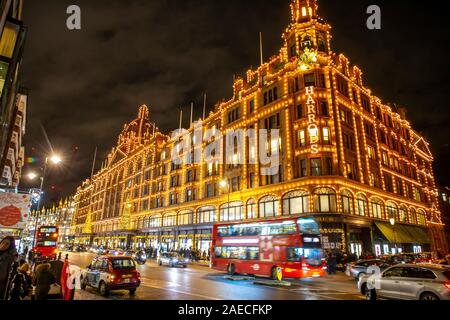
(20, 284)
(8, 254)
(42, 280)
(65, 278)
(30, 256)
(56, 267)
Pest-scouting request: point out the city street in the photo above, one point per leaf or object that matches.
(198, 282)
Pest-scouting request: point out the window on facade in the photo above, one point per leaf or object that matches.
(185, 217)
(251, 106)
(326, 135)
(345, 116)
(361, 204)
(235, 184)
(365, 103)
(169, 220)
(299, 111)
(371, 153)
(251, 209)
(377, 208)
(316, 167)
(347, 202)
(8, 40)
(302, 168)
(391, 211)
(388, 182)
(296, 202)
(206, 215)
(251, 180)
(324, 200)
(268, 207)
(190, 195)
(301, 138)
(403, 214)
(233, 115)
(421, 217)
(310, 80)
(232, 211)
(342, 85)
(324, 108)
(416, 194)
(329, 166)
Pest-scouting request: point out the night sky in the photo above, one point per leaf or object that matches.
(84, 85)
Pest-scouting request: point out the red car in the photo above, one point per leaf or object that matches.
(108, 273)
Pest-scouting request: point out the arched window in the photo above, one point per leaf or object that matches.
(324, 200)
(412, 216)
(185, 217)
(421, 217)
(155, 221)
(206, 214)
(232, 211)
(268, 207)
(403, 214)
(296, 202)
(377, 208)
(251, 209)
(361, 203)
(306, 43)
(145, 223)
(170, 219)
(391, 211)
(347, 202)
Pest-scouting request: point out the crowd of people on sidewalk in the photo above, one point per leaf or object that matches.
(27, 276)
(193, 255)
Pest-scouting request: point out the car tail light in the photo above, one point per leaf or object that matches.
(139, 276)
(351, 268)
(447, 284)
(112, 278)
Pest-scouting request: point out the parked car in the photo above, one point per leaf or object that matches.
(116, 252)
(408, 282)
(108, 273)
(172, 259)
(138, 255)
(361, 267)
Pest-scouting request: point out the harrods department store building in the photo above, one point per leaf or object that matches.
(346, 158)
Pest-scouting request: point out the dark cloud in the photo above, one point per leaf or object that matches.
(165, 53)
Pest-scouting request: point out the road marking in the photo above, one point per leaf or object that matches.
(182, 292)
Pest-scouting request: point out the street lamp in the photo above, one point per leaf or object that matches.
(55, 159)
(392, 221)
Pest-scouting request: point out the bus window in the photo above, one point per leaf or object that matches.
(313, 257)
(279, 229)
(294, 254)
(239, 253)
(308, 226)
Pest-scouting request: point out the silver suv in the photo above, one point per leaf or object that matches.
(408, 282)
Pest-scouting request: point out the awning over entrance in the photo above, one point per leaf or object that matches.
(403, 234)
(418, 234)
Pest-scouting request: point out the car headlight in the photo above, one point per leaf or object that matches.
(175, 260)
(186, 260)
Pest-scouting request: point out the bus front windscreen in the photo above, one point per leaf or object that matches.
(308, 226)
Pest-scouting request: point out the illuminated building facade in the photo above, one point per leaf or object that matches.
(345, 158)
(13, 99)
(60, 215)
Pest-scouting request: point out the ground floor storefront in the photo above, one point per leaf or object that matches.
(366, 237)
(197, 237)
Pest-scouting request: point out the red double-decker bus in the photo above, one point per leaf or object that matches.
(46, 242)
(264, 247)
